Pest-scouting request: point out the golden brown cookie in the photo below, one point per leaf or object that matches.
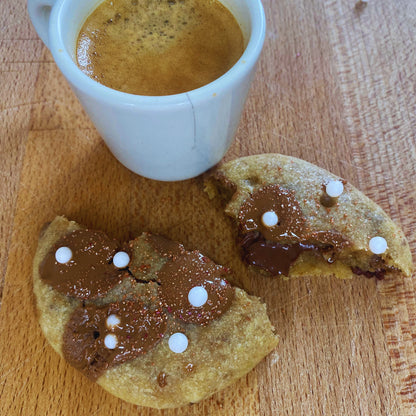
(149, 321)
(295, 219)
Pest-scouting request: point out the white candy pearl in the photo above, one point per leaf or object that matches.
(178, 342)
(269, 219)
(378, 245)
(197, 296)
(110, 341)
(112, 321)
(121, 259)
(334, 188)
(63, 255)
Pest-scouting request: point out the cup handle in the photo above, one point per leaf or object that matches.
(39, 12)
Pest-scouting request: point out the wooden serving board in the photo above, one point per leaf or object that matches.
(335, 86)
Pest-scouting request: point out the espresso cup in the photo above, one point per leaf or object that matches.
(168, 138)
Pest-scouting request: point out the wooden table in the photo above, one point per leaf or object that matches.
(335, 86)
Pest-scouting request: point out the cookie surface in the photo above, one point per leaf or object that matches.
(123, 322)
(295, 219)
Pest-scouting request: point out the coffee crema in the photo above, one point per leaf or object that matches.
(158, 47)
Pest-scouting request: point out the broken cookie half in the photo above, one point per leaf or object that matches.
(149, 321)
(296, 219)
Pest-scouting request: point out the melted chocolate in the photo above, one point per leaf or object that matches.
(139, 330)
(90, 272)
(271, 256)
(184, 271)
(276, 248)
(192, 269)
(291, 222)
(379, 274)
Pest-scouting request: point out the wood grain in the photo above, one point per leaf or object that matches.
(335, 86)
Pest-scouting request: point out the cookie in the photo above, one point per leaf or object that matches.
(294, 218)
(149, 321)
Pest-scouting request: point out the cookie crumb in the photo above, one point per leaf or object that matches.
(361, 5)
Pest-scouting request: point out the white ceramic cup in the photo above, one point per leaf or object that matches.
(167, 138)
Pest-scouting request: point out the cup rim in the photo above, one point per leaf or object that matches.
(93, 88)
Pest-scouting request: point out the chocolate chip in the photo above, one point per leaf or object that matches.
(162, 379)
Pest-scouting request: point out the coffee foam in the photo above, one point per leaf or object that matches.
(158, 47)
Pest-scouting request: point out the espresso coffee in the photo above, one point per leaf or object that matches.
(158, 47)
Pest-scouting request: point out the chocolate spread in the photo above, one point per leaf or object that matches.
(139, 329)
(90, 343)
(185, 271)
(90, 272)
(276, 248)
(291, 222)
(192, 269)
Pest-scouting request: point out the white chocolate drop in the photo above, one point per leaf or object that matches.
(334, 188)
(112, 321)
(121, 259)
(197, 296)
(178, 342)
(269, 219)
(110, 341)
(63, 255)
(378, 245)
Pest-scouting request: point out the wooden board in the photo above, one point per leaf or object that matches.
(335, 86)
